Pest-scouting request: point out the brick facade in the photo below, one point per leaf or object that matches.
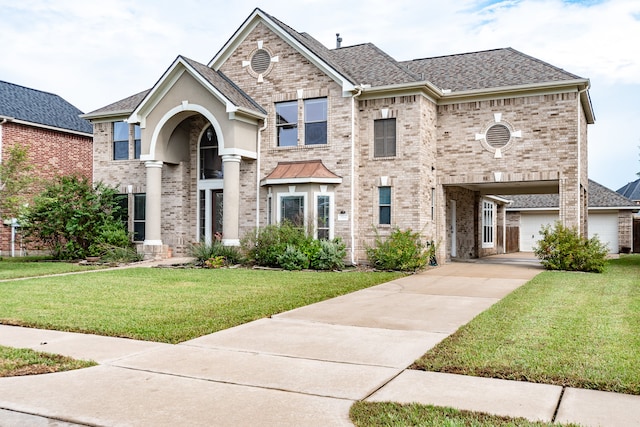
(51, 153)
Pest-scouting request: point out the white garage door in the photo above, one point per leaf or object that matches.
(530, 224)
(605, 225)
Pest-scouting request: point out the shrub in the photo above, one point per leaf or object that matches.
(206, 251)
(265, 245)
(111, 253)
(330, 255)
(562, 248)
(215, 262)
(402, 250)
(293, 259)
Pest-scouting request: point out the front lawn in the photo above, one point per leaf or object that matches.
(14, 268)
(168, 305)
(570, 329)
(21, 361)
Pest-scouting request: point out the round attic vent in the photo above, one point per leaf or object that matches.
(260, 61)
(498, 136)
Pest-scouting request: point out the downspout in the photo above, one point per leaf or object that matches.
(353, 167)
(581, 224)
(260, 130)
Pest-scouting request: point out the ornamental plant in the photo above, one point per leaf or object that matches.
(563, 248)
(401, 251)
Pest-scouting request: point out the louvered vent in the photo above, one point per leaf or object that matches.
(260, 61)
(498, 136)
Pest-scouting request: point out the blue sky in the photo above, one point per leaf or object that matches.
(93, 53)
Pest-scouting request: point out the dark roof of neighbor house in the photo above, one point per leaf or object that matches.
(366, 64)
(40, 108)
(599, 197)
(631, 190)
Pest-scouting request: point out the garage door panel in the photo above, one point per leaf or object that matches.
(605, 226)
(530, 225)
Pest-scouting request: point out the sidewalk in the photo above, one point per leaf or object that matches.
(304, 367)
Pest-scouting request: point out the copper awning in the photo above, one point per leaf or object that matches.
(302, 172)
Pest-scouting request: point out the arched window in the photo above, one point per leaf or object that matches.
(210, 161)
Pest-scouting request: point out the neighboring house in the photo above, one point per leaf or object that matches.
(58, 141)
(277, 126)
(610, 218)
(632, 191)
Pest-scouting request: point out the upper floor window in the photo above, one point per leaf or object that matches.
(315, 121)
(287, 123)
(120, 141)
(384, 138)
(210, 161)
(137, 142)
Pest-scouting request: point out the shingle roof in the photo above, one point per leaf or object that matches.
(126, 105)
(599, 197)
(43, 108)
(631, 190)
(486, 69)
(229, 89)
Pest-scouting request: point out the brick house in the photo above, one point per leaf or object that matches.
(58, 141)
(345, 140)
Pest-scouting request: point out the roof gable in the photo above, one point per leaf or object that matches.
(631, 190)
(308, 47)
(40, 108)
(234, 99)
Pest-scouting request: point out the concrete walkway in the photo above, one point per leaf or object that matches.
(304, 367)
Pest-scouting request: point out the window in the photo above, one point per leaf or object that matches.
(323, 217)
(139, 215)
(488, 209)
(287, 123)
(122, 202)
(120, 141)
(210, 161)
(292, 209)
(433, 203)
(315, 121)
(384, 205)
(384, 137)
(137, 142)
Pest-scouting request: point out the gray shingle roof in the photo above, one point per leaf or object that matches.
(486, 69)
(229, 89)
(126, 105)
(631, 190)
(43, 108)
(599, 197)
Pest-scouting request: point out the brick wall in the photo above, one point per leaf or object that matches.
(51, 153)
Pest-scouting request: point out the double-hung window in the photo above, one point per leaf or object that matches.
(120, 141)
(384, 205)
(384, 138)
(323, 217)
(287, 123)
(139, 216)
(315, 121)
(488, 214)
(137, 142)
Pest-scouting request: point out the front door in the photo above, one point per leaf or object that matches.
(210, 203)
(210, 183)
(454, 243)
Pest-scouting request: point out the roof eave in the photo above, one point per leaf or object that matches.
(43, 126)
(107, 115)
(425, 87)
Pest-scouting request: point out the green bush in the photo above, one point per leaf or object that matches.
(293, 259)
(402, 251)
(330, 255)
(562, 248)
(206, 251)
(265, 245)
(111, 253)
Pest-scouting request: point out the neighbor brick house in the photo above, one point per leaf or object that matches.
(346, 141)
(57, 140)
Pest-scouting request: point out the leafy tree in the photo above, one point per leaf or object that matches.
(74, 219)
(15, 181)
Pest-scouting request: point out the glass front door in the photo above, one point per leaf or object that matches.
(210, 227)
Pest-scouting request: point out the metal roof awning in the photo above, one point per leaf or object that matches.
(302, 172)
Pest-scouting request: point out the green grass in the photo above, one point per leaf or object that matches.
(168, 305)
(386, 414)
(21, 361)
(14, 268)
(571, 329)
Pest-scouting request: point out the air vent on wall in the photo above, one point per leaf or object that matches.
(260, 61)
(498, 136)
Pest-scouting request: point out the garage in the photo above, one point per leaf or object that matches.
(605, 225)
(530, 225)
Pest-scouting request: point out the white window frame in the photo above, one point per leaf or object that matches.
(488, 223)
(331, 211)
(280, 196)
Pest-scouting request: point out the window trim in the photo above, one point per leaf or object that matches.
(330, 195)
(488, 223)
(385, 151)
(380, 205)
(305, 206)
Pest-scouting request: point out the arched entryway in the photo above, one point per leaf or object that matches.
(210, 187)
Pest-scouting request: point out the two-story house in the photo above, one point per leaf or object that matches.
(57, 140)
(346, 141)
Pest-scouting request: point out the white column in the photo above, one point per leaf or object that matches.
(153, 234)
(231, 200)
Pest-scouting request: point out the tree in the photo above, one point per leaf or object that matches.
(15, 181)
(73, 218)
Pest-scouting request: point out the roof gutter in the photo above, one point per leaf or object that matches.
(6, 119)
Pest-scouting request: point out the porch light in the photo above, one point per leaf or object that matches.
(209, 134)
